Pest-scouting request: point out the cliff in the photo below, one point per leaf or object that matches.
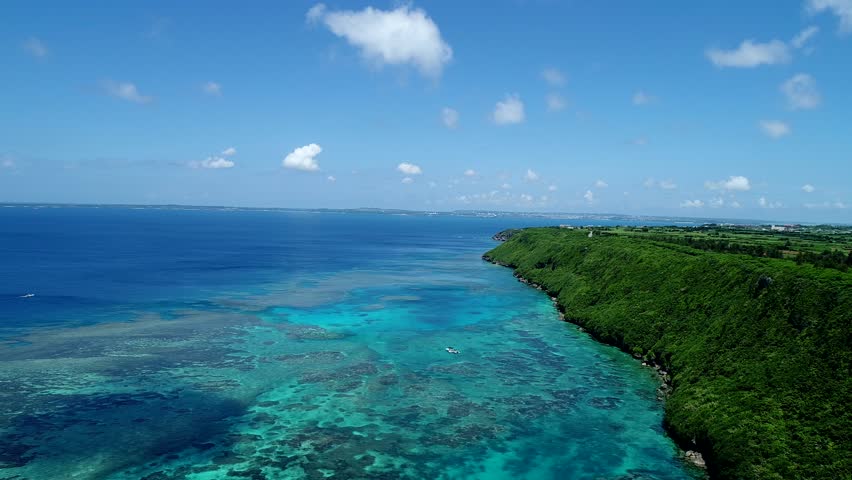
(759, 349)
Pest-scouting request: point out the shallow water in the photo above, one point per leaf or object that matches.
(225, 345)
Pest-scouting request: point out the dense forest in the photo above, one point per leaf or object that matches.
(759, 348)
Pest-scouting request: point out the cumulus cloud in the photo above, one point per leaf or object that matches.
(692, 204)
(506, 186)
(402, 36)
(331, 178)
(553, 77)
(764, 203)
(552, 188)
(526, 197)
(6, 161)
(589, 196)
(750, 54)
(212, 88)
(125, 91)
(35, 47)
(642, 98)
(717, 202)
(555, 102)
(450, 117)
(229, 151)
(734, 183)
(601, 184)
(531, 175)
(775, 128)
(470, 172)
(801, 92)
(802, 37)
(508, 111)
(213, 162)
(842, 9)
(407, 180)
(303, 158)
(409, 168)
(808, 188)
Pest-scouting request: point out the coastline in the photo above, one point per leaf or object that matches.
(690, 453)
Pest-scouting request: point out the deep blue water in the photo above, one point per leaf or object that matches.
(196, 344)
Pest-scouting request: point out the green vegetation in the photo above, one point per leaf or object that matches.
(760, 348)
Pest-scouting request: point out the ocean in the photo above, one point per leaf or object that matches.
(200, 344)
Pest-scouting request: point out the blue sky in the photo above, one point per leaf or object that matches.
(723, 109)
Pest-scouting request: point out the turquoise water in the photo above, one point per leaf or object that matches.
(315, 363)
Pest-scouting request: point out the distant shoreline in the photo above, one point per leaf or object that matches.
(673, 219)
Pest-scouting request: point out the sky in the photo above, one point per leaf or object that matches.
(724, 109)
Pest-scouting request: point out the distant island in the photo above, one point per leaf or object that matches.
(751, 329)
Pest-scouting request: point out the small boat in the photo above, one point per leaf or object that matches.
(453, 351)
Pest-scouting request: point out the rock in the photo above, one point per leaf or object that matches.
(695, 458)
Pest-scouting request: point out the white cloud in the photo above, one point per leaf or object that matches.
(212, 88)
(736, 183)
(717, 202)
(601, 184)
(664, 184)
(639, 142)
(526, 197)
(315, 13)
(552, 188)
(735, 204)
(506, 186)
(450, 117)
(801, 92)
(303, 158)
(764, 203)
(432, 184)
(692, 204)
(229, 151)
(840, 8)
(331, 178)
(531, 175)
(509, 111)
(35, 47)
(470, 172)
(407, 180)
(835, 204)
(125, 91)
(642, 98)
(213, 162)
(589, 196)
(401, 36)
(775, 128)
(808, 188)
(555, 102)
(802, 37)
(409, 168)
(553, 77)
(750, 54)
(7, 162)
